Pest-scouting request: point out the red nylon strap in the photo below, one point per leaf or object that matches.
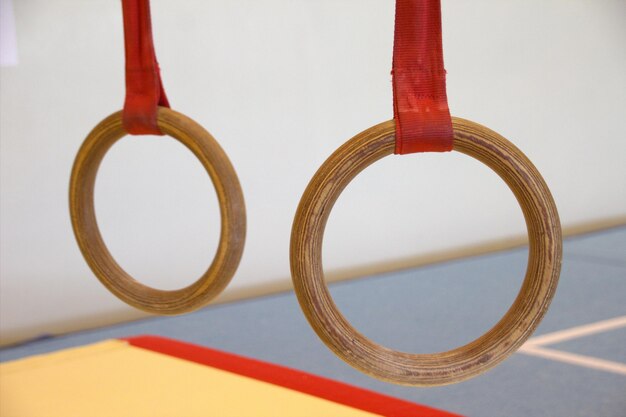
(144, 89)
(420, 104)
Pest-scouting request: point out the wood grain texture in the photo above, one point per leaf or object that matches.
(93, 248)
(441, 368)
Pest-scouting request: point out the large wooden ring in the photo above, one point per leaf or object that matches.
(504, 338)
(95, 252)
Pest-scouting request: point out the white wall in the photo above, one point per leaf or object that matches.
(281, 84)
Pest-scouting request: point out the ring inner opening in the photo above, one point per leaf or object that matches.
(393, 226)
(157, 211)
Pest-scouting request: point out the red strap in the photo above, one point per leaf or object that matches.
(420, 104)
(144, 89)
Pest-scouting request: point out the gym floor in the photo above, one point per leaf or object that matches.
(574, 365)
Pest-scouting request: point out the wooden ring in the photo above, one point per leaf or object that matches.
(544, 262)
(95, 252)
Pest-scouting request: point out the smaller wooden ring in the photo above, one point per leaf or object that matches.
(488, 350)
(93, 248)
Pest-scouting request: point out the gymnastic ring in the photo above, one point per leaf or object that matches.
(93, 248)
(544, 262)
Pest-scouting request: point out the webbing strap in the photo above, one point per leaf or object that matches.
(423, 122)
(144, 89)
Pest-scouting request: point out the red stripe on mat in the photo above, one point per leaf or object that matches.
(289, 378)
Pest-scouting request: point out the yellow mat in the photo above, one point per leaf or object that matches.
(152, 376)
(113, 378)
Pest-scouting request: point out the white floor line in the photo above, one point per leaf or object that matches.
(576, 332)
(575, 359)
